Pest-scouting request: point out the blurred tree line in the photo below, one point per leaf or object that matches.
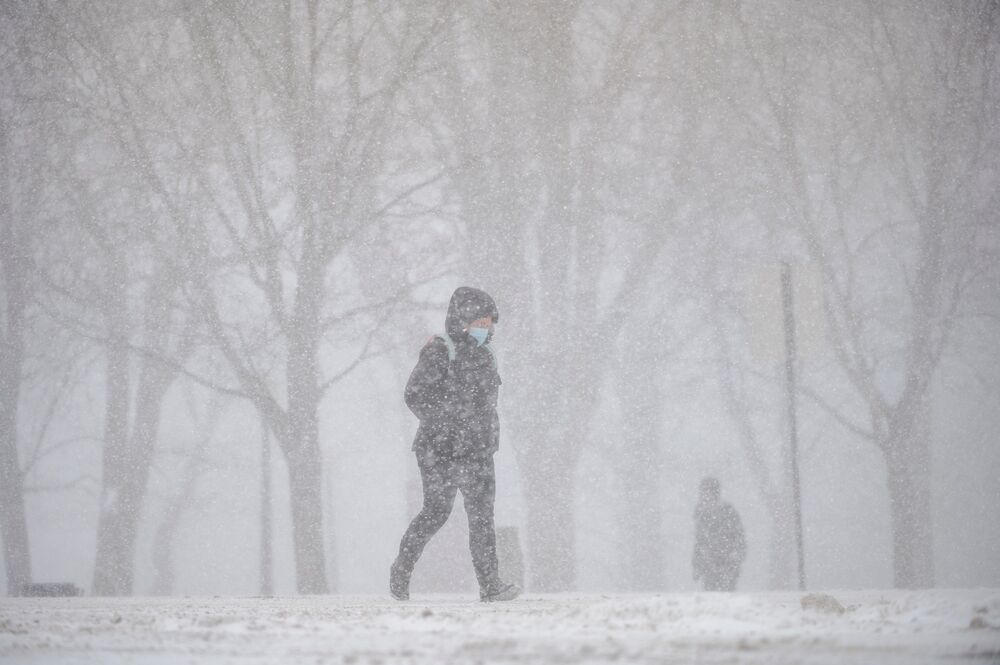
(247, 198)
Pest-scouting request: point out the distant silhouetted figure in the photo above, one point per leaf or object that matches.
(719, 545)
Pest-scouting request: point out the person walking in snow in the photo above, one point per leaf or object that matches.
(453, 391)
(719, 543)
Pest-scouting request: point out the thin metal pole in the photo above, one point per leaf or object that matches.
(790, 357)
(266, 563)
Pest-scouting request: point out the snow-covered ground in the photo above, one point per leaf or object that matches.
(878, 627)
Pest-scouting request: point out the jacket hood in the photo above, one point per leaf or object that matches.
(468, 304)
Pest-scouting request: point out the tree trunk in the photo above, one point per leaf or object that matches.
(301, 447)
(123, 524)
(906, 443)
(266, 516)
(128, 458)
(305, 483)
(112, 574)
(908, 470)
(552, 542)
(13, 524)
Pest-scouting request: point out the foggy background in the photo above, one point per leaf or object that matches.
(229, 227)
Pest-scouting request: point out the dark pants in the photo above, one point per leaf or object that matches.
(441, 480)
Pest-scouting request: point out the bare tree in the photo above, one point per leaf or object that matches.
(131, 313)
(269, 159)
(915, 120)
(122, 295)
(330, 87)
(23, 206)
(320, 103)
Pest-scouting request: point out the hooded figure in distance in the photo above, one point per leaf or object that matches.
(453, 391)
(719, 543)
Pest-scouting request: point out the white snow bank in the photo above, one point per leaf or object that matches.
(939, 626)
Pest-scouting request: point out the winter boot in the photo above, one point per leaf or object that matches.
(399, 583)
(499, 591)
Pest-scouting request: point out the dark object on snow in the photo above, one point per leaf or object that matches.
(453, 391)
(719, 544)
(979, 623)
(50, 590)
(823, 603)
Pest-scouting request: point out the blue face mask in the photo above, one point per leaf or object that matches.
(479, 334)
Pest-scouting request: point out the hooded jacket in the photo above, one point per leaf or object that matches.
(456, 400)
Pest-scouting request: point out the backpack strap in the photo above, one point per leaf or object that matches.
(450, 344)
